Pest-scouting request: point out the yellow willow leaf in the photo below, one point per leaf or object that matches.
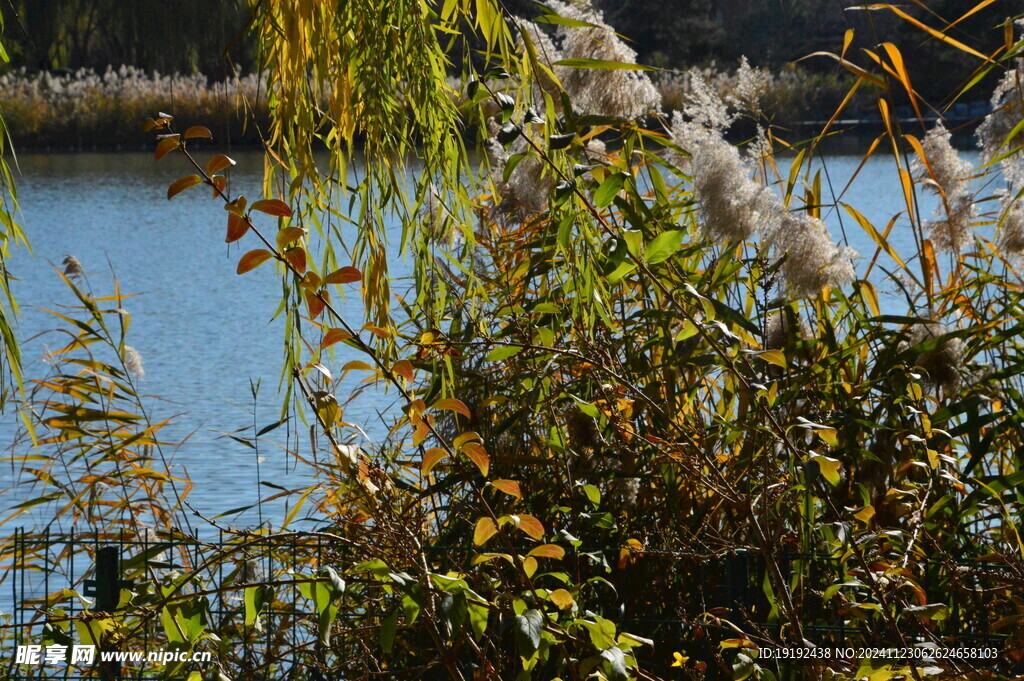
(478, 455)
(452, 404)
(531, 526)
(929, 30)
(431, 457)
(253, 259)
(929, 266)
(334, 336)
(509, 487)
(484, 530)
(548, 551)
(562, 599)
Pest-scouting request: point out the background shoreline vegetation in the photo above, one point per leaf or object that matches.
(632, 354)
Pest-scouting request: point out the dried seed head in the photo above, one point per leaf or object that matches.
(133, 362)
(72, 267)
(947, 175)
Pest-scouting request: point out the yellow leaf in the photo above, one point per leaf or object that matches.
(776, 357)
(562, 599)
(485, 529)
(478, 455)
(548, 551)
(531, 526)
(529, 566)
(430, 459)
(865, 514)
(829, 468)
(357, 365)
(509, 487)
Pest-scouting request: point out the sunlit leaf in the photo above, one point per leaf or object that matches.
(510, 487)
(334, 336)
(484, 530)
(218, 163)
(183, 183)
(198, 131)
(345, 275)
(274, 207)
(253, 259)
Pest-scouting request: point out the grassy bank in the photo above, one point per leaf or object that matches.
(85, 110)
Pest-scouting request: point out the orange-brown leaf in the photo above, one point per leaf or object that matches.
(509, 487)
(334, 336)
(357, 365)
(315, 304)
(198, 131)
(219, 163)
(453, 404)
(531, 526)
(237, 227)
(253, 259)
(166, 146)
(220, 184)
(273, 207)
(183, 183)
(403, 368)
(345, 275)
(297, 258)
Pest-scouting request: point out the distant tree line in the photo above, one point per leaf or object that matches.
(210, 36)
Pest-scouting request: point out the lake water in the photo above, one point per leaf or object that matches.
(203, 331)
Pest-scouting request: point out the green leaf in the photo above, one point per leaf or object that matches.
(664, 246)
(388, 629)
(528, 627)
(503, 352)
(609, 189)
(616, 660)
(601, 64)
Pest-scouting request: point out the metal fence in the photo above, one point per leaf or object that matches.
(46, 575)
